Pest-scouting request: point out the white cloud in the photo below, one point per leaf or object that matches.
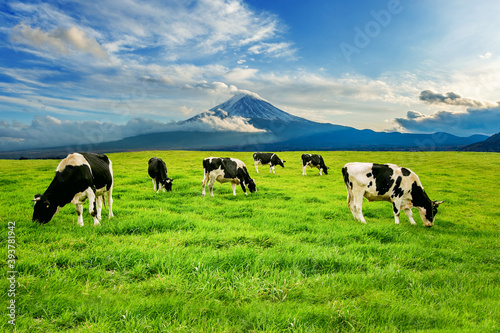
(451, 98)
(276, 50)
(241, 74)
(186, 111)
(487, 55)
(185, 30)
(59, 41)
(208, 122)
(473, 121)
(120, 31)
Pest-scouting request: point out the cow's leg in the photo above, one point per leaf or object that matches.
(409, 213)
(271, 169)
(350, 203)
(233, 185)
(304, 170)
(204, 183)
(110, 202)
(79, 212)
(358, 206)
(92, 201)
(154, 183)
(257, 166)
(98, 202)
(211, 186)
(320, 171)
(396, 208)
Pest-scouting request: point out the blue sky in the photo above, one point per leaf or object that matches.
(99, 71)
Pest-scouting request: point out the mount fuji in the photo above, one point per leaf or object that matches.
(252, 110)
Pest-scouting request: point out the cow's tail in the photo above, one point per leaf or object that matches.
(205, 173)
(348, 186)
(346, 176)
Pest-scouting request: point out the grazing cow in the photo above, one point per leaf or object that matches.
(313, 160)
(79, 176)
(267, 158)
(226, 170)
(157, 170)
(387, 182)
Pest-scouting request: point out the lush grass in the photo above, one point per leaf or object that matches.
(287, 258)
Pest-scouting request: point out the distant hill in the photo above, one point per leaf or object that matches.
(263, 127)
(353, 139)
(492, 144)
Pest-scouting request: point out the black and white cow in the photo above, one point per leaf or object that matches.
(387, 182)
(226, 170)
(79, 176)
(157, 170)
(267, 158)
(313, 160)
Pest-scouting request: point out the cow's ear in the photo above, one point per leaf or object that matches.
(437, 203)
(37, 197)
(283, 161)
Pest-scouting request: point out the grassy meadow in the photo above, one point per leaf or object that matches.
(288, 258)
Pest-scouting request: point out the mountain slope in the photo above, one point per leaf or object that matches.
(492, 144)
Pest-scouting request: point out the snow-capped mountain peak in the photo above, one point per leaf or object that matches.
(252, 106)
(245, 112)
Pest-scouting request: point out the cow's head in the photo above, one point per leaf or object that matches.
(426, 207)
(43, 211)
(251, 186)
(428, 213)
(167, 183)
(281, 163)
(325, 169)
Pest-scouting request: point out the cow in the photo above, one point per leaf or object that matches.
(387, 182)
(157, 170)
(313, 160)
(226, 170)
(267, 158)
(79, 176)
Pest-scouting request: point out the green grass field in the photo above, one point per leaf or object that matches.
(288, 258)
